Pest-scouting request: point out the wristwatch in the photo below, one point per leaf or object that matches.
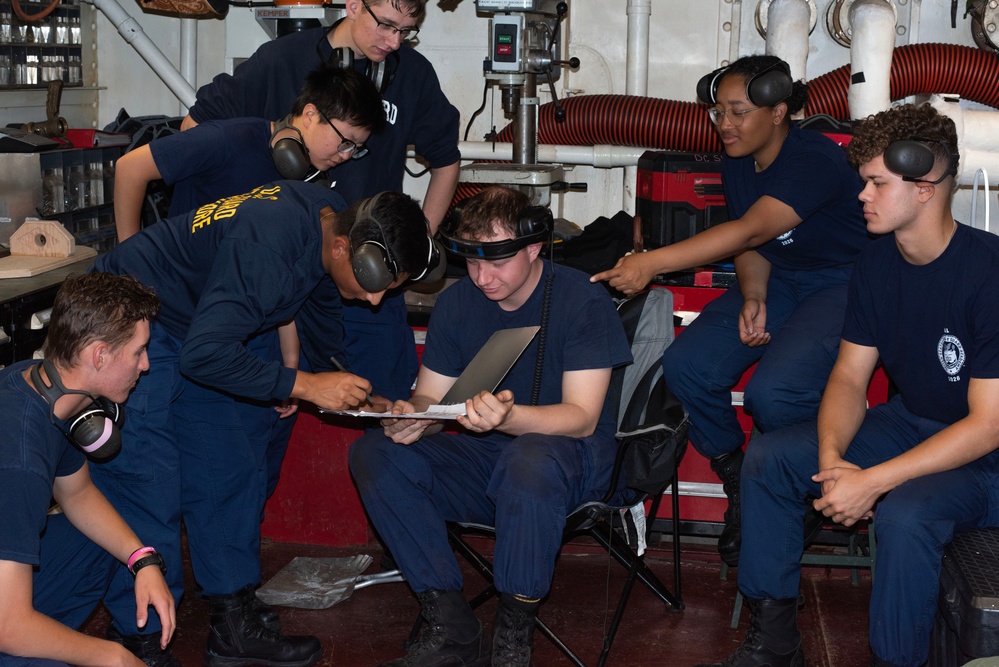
(149, 559)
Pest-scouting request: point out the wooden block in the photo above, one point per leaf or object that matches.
(23, 266)
(42, 238)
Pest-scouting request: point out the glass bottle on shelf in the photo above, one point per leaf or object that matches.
(61, 30)
(95, 191)
(53, 195)
(74, 30)
(77, 192)
(5, 25)
(5, 79)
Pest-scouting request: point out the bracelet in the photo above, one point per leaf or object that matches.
(149, 559)
(137, 554)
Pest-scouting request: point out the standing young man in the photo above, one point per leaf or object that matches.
(518, 464)
(921, 302)
(227, 272)
(336, 112)
(372, 39)
(95, 349)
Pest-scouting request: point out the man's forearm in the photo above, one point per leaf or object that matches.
(440, 192)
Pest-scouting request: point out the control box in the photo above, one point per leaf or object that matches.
(678, 195)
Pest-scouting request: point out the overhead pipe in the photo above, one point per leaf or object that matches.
(871, 46)
(133, 34)
(188, 55)
(636, 80)
(917, 69)
(788, 23)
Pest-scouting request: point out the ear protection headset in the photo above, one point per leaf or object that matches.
(95, 429)
(381, 74)
(766, 89)
(290, 155)
(534, 225)
(913, 158)
(372, 262)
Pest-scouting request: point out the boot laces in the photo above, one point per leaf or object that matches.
(754, 639)
(513, 645)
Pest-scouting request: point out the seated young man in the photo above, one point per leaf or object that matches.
(517, 464)
(922, 302)
(228, 272)
(96, 348)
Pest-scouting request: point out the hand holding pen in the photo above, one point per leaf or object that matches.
(340, 367)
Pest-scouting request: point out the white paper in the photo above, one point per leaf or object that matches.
(433, 412)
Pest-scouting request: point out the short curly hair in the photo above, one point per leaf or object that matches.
(910, 121)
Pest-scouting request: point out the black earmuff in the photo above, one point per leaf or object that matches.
(912, 159)
(381, 73)
(290, 155)
(436, 261)
(95, 429)
(534, 225)
(372, 261)
(766, 89)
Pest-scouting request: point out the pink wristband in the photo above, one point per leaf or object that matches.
(137, 554)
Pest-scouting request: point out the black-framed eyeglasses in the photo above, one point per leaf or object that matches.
(735, 116)
(354, 149)
(389, 30)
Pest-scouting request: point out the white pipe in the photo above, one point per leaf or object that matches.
(977, 138)
(602, 155)
(636, 80)
(788, 23)
(637, 73)
(871, 47)
(133, 34)
(188, 54)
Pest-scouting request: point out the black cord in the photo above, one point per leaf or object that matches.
(417, 175)
(475, 114)
(542, 336)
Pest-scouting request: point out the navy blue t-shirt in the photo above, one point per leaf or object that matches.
(812, 176)
(935, 326)
(33, 453)
(585, 332)
(419, 114)
(215, 160)
(235, 268)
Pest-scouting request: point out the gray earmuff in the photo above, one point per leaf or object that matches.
(96, 429)
(372, 261)
(912, 159)
(766, 89)
(289, 153)
(381, 73)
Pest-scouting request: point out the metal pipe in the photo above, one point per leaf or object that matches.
(188, 54)
(525, 142)
(133, 34)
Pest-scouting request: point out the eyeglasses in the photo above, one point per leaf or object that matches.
(389, 30)
(346, 145)
(735, 116)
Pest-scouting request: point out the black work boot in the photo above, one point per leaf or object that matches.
(513, 632)
(728, 467)
(238, 638)
(450, 637)
(266, 614)
(772, 639)
(145, 647)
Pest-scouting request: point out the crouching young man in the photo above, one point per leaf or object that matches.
(517, 463)
(95, 350)
(922, 301)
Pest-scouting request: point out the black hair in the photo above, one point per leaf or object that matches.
(342, 93)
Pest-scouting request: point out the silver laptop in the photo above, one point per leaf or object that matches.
(491, 364)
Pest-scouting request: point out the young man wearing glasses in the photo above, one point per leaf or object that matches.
(373, 38)
(795, 230)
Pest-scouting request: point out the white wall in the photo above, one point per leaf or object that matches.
(688, 38)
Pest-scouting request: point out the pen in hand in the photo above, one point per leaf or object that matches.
(341, 368)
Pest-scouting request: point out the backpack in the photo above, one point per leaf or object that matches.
(652, 424)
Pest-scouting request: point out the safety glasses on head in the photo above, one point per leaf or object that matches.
(534, 225)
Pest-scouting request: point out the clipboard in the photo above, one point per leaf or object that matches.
(484, 373)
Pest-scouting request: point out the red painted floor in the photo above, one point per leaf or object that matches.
(370, 626)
